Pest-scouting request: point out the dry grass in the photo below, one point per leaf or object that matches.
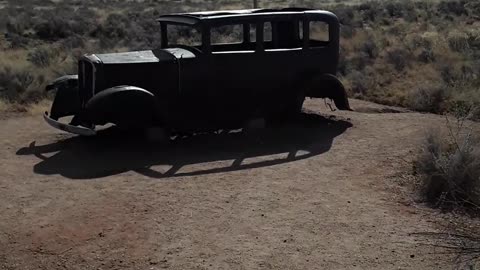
(449, 164)
(390, 49)
(3, 106)
(449, 169)
(38, 108)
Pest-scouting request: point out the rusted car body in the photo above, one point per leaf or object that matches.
(213, 70)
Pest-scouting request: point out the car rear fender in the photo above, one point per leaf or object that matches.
(328, 86)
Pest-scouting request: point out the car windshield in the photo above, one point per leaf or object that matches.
(183, 35)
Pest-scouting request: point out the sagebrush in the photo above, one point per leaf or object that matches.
(389, 49)
(449, 164)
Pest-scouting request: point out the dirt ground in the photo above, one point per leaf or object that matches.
(329, 191)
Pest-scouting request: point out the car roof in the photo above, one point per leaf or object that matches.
(194, 18)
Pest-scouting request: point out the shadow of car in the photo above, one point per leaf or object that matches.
(113, 152)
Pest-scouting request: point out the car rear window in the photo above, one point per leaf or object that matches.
(319, 34)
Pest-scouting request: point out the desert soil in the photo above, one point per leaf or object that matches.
(330, 191)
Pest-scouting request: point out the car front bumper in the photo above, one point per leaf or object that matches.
(79, 130)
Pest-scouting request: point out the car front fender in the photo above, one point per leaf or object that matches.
(123, 105)
(67, 99)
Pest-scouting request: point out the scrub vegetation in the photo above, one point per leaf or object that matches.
(418, 54)
(449, 164)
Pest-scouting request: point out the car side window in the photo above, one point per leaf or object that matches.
(267, 32)
(319, 34)
(226, 34)
(300, 30)
(284, 35)
(229, 38)
(183, 35)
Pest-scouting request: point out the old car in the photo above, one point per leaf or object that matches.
(213, 70)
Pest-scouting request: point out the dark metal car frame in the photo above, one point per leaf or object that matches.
(207, 86)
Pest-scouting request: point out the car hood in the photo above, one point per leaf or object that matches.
(150, 56)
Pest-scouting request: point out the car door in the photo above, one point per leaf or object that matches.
(282, 58)
(234, 73)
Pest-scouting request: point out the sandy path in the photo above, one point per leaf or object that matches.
(320, 194)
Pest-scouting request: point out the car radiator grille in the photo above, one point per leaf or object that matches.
(86, 77)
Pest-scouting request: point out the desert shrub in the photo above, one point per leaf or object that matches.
(399, 58)
(74, 41)
(358, 62)
(397, 30)
(13, 83)
(453, 7)
(458, 42)
(15, 26)
(394, 9)
(370, 11)
(346, 31)
(359, 84)
(449, 166)
(115, 27)
(40, 57)
(406, 33)
(473, 8)
(426, 56)
(370, 48)
(52, 28)
(345, 14)
(428, 98)
(420, 42)
(17, 41)
(449, 74)
(342, 61)
(466, 99)
(473, 39)
(410, 12)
